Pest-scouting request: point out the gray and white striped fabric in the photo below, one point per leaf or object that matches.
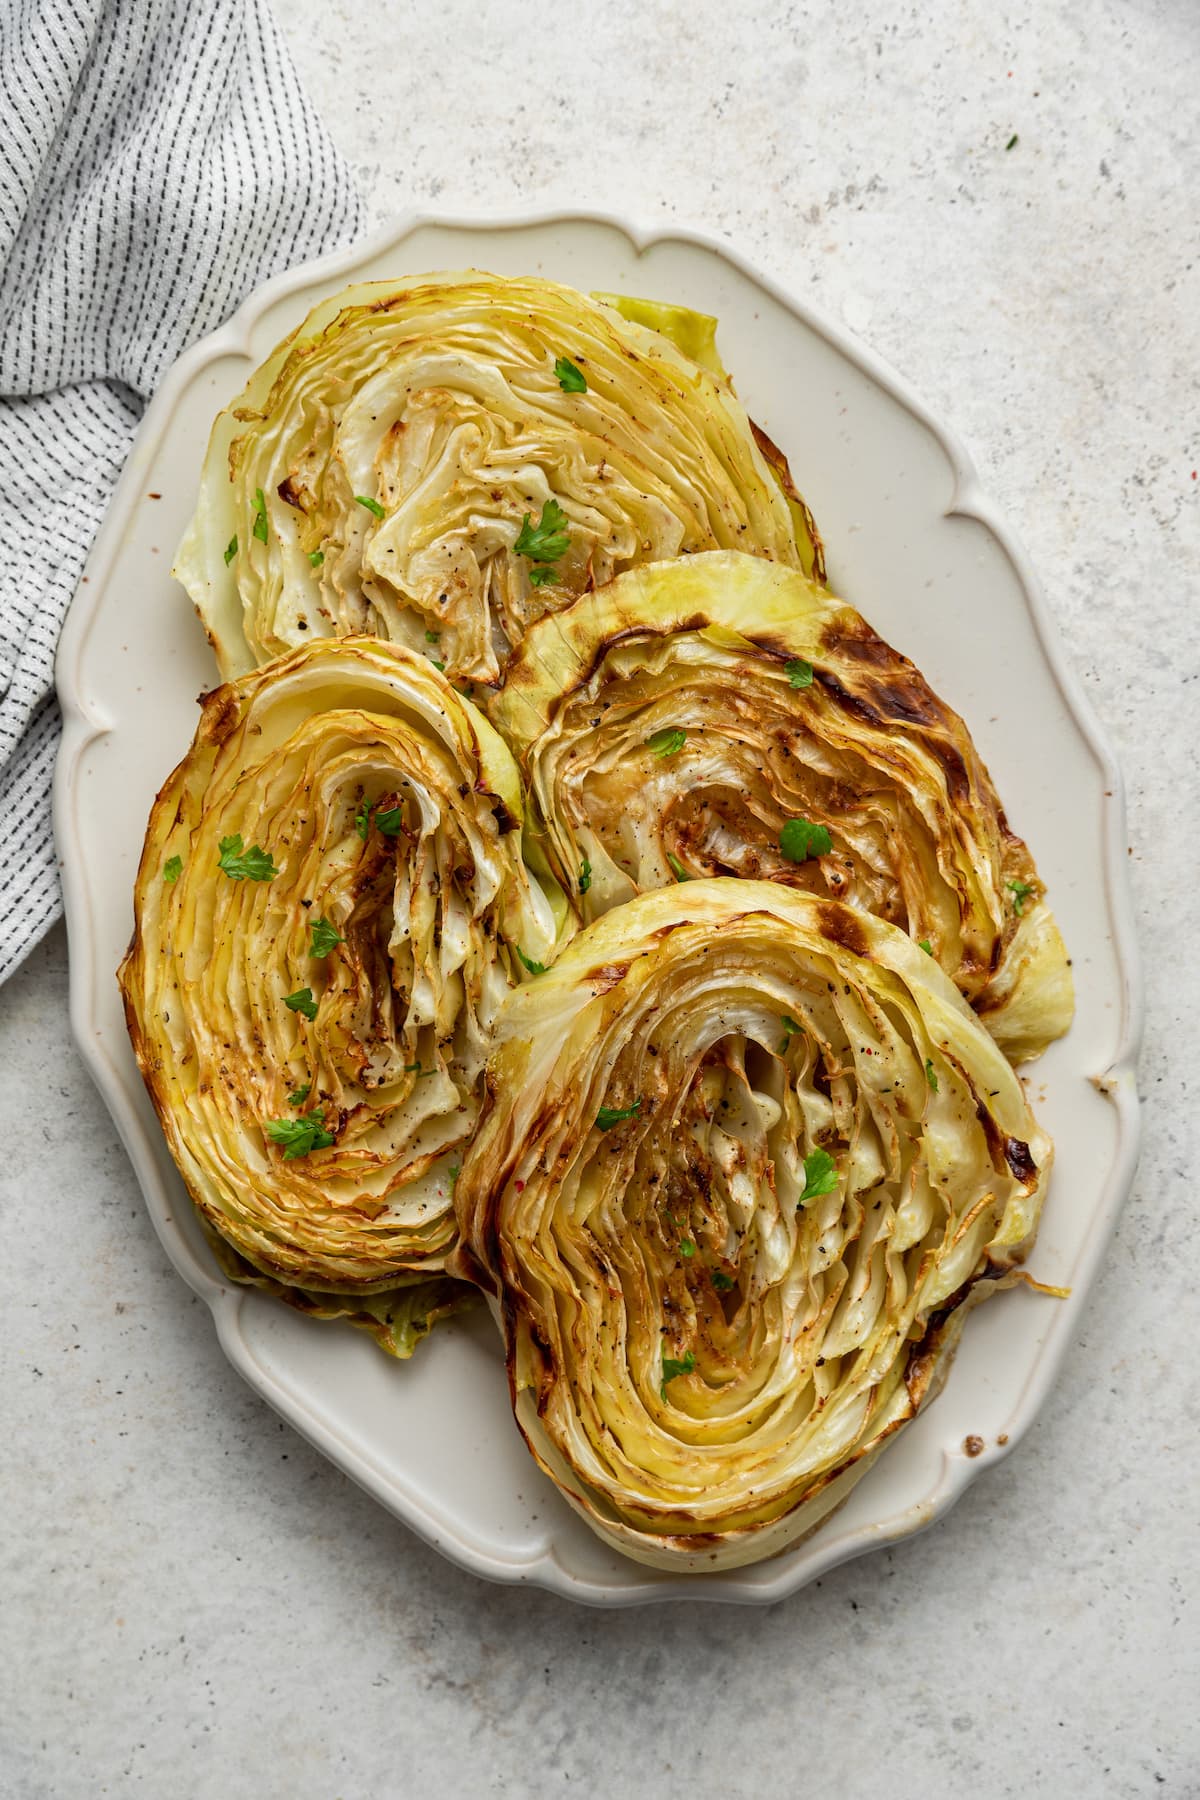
(158, 159)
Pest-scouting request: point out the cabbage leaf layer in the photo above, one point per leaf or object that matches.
(721, 715)
(330, 909)
(745, 1161)
(441, 463)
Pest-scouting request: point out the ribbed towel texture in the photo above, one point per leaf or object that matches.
(158, 159)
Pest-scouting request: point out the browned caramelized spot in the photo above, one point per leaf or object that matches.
(607, 976)
(221, 716)
(772, 454)
(993, 1135)
(1019, 1160)
(289, 493)
(844, 927)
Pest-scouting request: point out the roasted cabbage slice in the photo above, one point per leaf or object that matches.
(746, 1159)
(441, 462)
(330, 909)
(721, 715)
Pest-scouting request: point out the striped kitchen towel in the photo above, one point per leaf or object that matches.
(158, 160)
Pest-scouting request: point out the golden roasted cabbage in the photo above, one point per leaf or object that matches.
(440, 463)
(330, 909)
(721, 715)
(745, 1161)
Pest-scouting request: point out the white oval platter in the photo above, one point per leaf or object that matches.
(913, 544)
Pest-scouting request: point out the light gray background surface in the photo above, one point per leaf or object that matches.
(193, 1602)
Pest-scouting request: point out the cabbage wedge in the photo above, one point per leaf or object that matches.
(721, 715)
(331, 908)
(746, 1161)
(442, 462)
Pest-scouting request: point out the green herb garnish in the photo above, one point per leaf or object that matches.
(316, 558)
(667, 742)
(585, 876)
(299, 1095)
(820, 1175)
(230, 550)
(798, 672)
(299, 1136)
(546, 541)
(1011, 142)
(677, 868)
(372, 506)
(930, 1077)
(926, 946)
(570, 379)
(790, 1029)
(260, 517)
(721, 1281)
(325, 937)
(686, 1247)
(173, 868)
(390, 821)
(1021, 891)
(671, 1367)
(535, 968)
(302, 1002)
(431, 637)
(362, 820)
(800, 839)
(417, 1070)
(543, 575)
(245, 865)
(608, 1116)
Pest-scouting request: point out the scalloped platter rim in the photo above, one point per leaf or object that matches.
(914, 544)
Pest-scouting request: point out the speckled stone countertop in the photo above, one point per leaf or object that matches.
(194, 1602)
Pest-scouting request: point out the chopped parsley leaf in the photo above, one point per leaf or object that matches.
(798, 672)
(926, 946)
(390, 821)
(721, 1281)
(790, 1029)
(173, 868)
(299, 1136)
(608, 1116)
(667, 742)
(417, 1070)
(438, 665)
(325, 937)
(930, 1077)
(431, 637)
(302, 1002)
(671, 1367)
(362, 820)
(800, 839)
(316, 558)
(570, 379)
(535, 968)
(1021, 891)
(686, 1247)
(543, 575)
(546, 541)
(260, 517)
(820, 1175)
(245, 865)
(677, 868)
(585, 876)
(230, 550)
(372, 506)
(299, 1095)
